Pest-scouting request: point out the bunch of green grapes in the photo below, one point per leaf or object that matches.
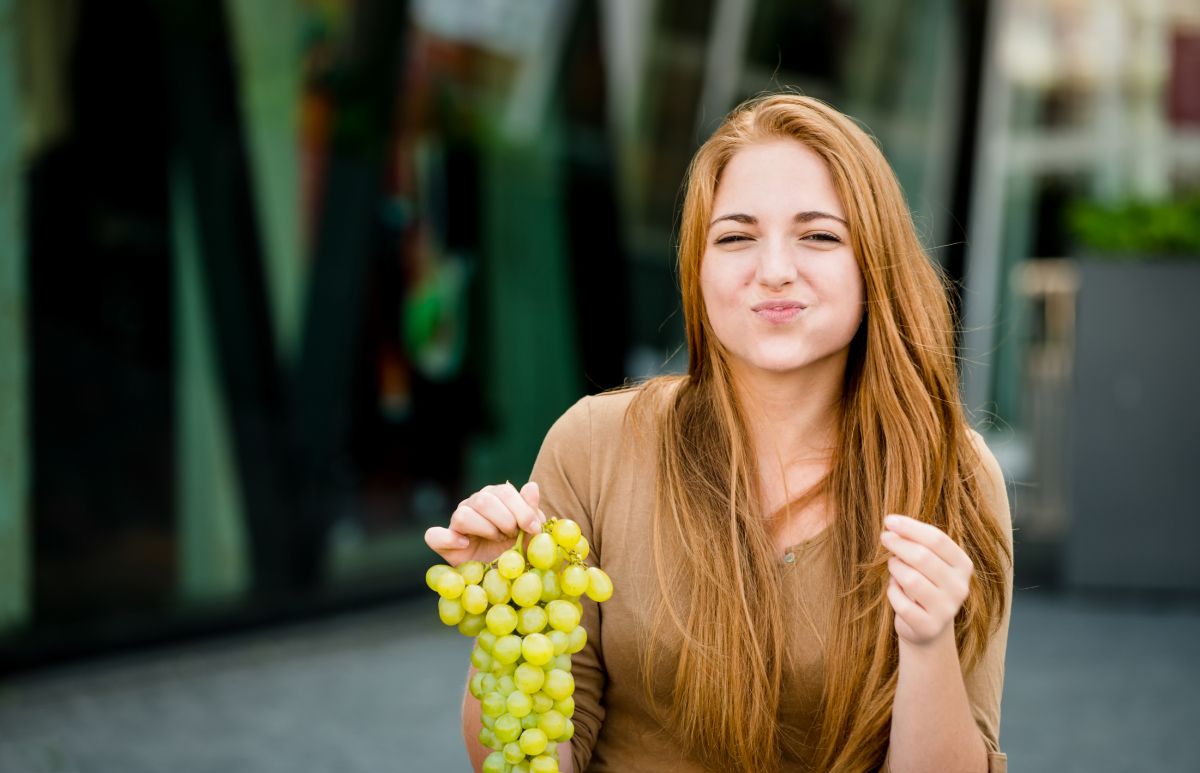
(524, 611)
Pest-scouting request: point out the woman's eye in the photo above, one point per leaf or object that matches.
(731, 238)
(822, 236)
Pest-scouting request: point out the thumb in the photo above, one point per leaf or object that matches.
(532, 494)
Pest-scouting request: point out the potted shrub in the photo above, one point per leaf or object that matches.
(1135, 419)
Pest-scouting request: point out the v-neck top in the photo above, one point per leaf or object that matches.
(597, 469)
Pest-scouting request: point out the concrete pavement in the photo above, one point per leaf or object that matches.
(1093, 684)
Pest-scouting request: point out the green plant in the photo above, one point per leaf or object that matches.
(1138, 230)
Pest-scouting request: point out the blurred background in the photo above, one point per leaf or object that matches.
(281, 281)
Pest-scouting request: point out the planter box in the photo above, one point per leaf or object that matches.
(1135, 428)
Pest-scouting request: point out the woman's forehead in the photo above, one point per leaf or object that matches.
(777, 176)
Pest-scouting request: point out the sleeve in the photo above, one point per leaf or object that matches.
(563, 472)
(985, 683)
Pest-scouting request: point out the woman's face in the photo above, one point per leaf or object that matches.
(780, 281)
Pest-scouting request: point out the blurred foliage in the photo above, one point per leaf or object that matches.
(1138, 230)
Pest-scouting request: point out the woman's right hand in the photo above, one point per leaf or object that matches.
(486, 523)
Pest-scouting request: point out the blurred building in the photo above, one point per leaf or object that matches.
(283, 281)
(1083, 263)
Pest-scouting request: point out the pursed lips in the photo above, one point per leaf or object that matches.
(778, 311)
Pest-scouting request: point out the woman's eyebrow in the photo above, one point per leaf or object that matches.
(800, 217)
(737, 217)
(816, 214)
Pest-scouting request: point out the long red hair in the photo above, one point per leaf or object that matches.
(903, 446)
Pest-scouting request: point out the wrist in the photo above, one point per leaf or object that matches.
(939, 648)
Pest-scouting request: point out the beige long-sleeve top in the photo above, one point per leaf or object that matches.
(594, 468)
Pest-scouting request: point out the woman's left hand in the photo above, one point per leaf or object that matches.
(930, 578)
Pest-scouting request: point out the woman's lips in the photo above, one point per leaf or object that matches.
(778, 311)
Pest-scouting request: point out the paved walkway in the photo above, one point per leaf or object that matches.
(1092, 686)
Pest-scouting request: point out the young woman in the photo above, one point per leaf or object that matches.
(811, 549)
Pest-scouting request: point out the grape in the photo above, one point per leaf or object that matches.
(574, 580)
(524, 610)
(527, 589)
(501, 619)
(507, 728)
(433, 573)
(528, 678)
(578, 638)
(537, 649)
(566, 533)
(559, 684)
(450, 585)
(471, 571)
(519, 703)
(560, 641)
(476, 683)
(542, 552)
(533, 742)
(531, 620)
(494, 763)
(492, 704)
(550, 587)
(600, 588)
(450, 611)
(552, 723)
(481, 659)
(510, 564)
(474, 599)
(507, 649)
(542, 702)
(543, 764)
(562, 615)
(471, 625)
(513, 753)
(497, 588)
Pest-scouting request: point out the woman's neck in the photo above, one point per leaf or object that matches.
(792, 417)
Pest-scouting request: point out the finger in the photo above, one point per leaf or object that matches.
(489, 505)
(525, 515)
(466, 520)
(905, 607)
(531, 492)
(921, 558)
(930, 536)
(916, 585)
(440, 538)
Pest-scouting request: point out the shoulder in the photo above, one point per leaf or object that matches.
(631, 407)
(991, 478)
(989, 468)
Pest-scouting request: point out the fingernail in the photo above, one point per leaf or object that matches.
(462, 542)
(890, 521)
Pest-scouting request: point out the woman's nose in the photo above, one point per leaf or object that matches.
(776, 268)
